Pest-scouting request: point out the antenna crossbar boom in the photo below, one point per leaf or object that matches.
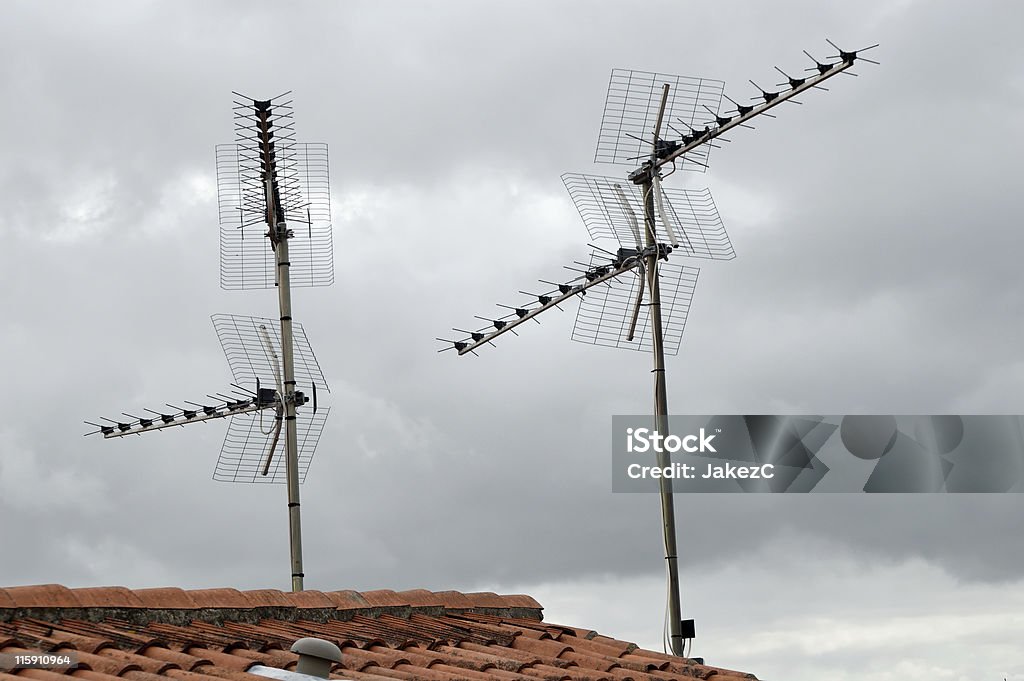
(578, 289)
(771, 99)
(185, 417)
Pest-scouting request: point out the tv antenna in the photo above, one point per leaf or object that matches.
(271, 191)
(651, 120)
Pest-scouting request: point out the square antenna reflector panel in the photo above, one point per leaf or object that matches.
(252, 346)
(247, 443)
(605, 312)
(246, 257)
(631, 112)
(613, 209)
(300, 180)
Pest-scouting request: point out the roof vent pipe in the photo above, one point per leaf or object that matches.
(316, 656)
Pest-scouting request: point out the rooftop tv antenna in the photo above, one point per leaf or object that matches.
(651, 120)
(266, 182)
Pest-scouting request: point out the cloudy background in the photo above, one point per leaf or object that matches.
(878, 272)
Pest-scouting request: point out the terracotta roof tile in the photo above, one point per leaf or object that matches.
(454, 599)
(42, 596)
(181, 659)
(388, 658)
(142, 662)
(479, 659)
(383, 597)
(270, 658)
(618, 649)
(622, 674)
(221, 659)
(108, 597)
(487, 599)
(414, 635)
(510, 654)
(167, 598)
(545, 672)
(39, 674)
(220, 598)
(644, 661)
(264, 598)
(653, 654)
(347, 600)
(421, 657)
(535, 634)
(600, 663)
(106, 665)
(229, 674)
(144, 676)
(520, 601)
(420, 598)
(182, 675)
(97, 676)
(399, 674)
(549, 648)
(461, 673)
(368, 675)
(310, 599)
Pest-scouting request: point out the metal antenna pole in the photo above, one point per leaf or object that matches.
(668, 513)
(291, 432)
(278, 233)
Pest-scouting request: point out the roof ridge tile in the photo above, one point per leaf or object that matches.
(220, 598)
(347, 599)
(107, 597)
(167, 598)
(42, 596)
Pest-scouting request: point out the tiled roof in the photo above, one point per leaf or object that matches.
(207, 634)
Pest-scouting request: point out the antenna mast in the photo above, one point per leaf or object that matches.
(668, 513)
(279, 234)
(611, 314)
(266, 179)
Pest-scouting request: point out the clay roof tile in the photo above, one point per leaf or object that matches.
(310, 599)
(219, 598)
(264, 598)
(42, 596)
(167, 598)
(108, 597)
(347, 600)
(383, 597)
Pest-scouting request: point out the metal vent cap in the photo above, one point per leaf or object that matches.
(316, 656)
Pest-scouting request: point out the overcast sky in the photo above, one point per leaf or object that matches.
(877, 234)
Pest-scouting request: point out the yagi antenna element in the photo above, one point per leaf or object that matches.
(638, 296)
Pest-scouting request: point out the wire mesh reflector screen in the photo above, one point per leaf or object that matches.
(244, 340)
(246, 257)
(605, 312)
(631, 112)
(613, 209)
(247, 444)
